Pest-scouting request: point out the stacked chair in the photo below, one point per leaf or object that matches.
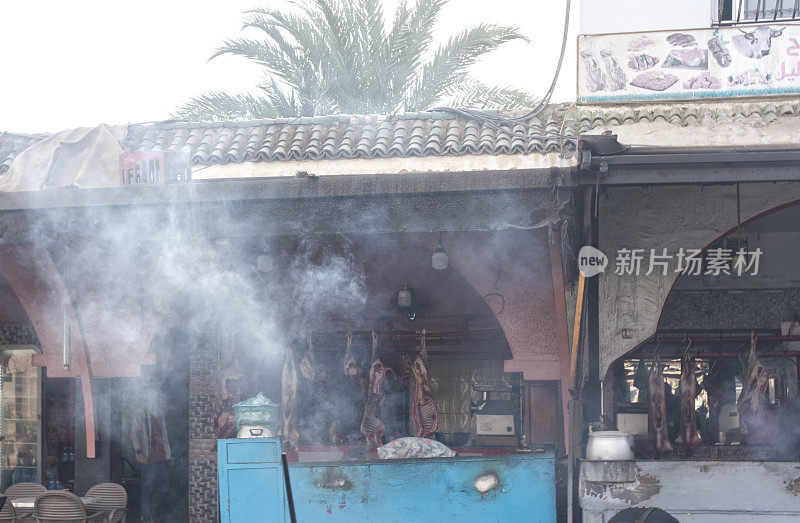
(114, 504)
(59, 506)
(25, 489)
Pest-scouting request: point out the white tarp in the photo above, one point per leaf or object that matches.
(83, 157)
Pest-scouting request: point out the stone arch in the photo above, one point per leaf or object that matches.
(634, 217)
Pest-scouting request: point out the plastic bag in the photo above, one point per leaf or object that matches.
(258, 411)
(403, 448)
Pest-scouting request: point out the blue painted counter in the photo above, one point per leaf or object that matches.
(407, 490)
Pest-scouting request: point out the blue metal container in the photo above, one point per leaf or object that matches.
(516, 488)
(251, 485)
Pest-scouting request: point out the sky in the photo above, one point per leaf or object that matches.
(85, 62)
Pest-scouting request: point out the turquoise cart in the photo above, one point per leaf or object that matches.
(492, 488)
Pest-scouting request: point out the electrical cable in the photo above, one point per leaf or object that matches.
(546, 99)
(498, 121)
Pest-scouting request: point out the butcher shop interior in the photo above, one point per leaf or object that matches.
(402, 345)
(345, 342)
(719, 380)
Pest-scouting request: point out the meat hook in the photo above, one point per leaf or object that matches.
(658, 344)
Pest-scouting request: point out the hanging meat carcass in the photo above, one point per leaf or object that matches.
(371, 425)
(423, 408)
(657, 409)
(688, 436)
(289, 431)
(231, 389)
(403, 368)
(350, 363)
(308, 365)
(751, 400)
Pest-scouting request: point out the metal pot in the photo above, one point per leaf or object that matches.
(609, 445)
(254, 431)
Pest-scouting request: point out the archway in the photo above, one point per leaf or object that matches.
(636, 217)
(710, 315)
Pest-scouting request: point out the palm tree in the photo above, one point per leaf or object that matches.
(339, 56)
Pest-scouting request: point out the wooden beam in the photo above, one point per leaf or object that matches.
(576, 331)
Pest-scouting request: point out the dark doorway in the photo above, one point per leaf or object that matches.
(170, 376)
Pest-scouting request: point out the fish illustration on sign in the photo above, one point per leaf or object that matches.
(595, 79)
(640, 62)
(615, 79)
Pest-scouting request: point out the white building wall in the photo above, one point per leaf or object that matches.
(624, 16)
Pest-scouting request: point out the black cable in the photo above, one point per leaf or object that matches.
(288, 483)
(498, 121)
(493, 121)
(544, 101)
(548, 95)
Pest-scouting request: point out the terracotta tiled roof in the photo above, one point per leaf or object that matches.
(411, 134)
(344, 137)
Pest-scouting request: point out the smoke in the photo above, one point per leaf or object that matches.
(326, 283)
(137, 275)
(135, 271)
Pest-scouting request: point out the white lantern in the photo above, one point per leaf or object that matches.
(439, 259)
(404, 297)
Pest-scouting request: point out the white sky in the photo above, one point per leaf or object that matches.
(79, 63)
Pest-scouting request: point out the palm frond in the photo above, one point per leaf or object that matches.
(328, 56)
(264, 53)
(411, 35)
(453, 58)
(218, 106)
(286, 102)
(474, 94)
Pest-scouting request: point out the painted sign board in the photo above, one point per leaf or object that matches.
(723, 62)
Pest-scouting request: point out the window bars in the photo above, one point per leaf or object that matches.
(757, 11)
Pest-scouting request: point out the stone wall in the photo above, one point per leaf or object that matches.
(203, 481)
(671, 217)
(725, 310)
(18, 335)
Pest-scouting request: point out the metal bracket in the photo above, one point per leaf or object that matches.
(586, 158)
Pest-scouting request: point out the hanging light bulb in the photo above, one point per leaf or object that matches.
(66, 357)
(264, 260)
(404, 296)
(439, 259)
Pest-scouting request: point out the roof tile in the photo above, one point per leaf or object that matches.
(412, 134)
